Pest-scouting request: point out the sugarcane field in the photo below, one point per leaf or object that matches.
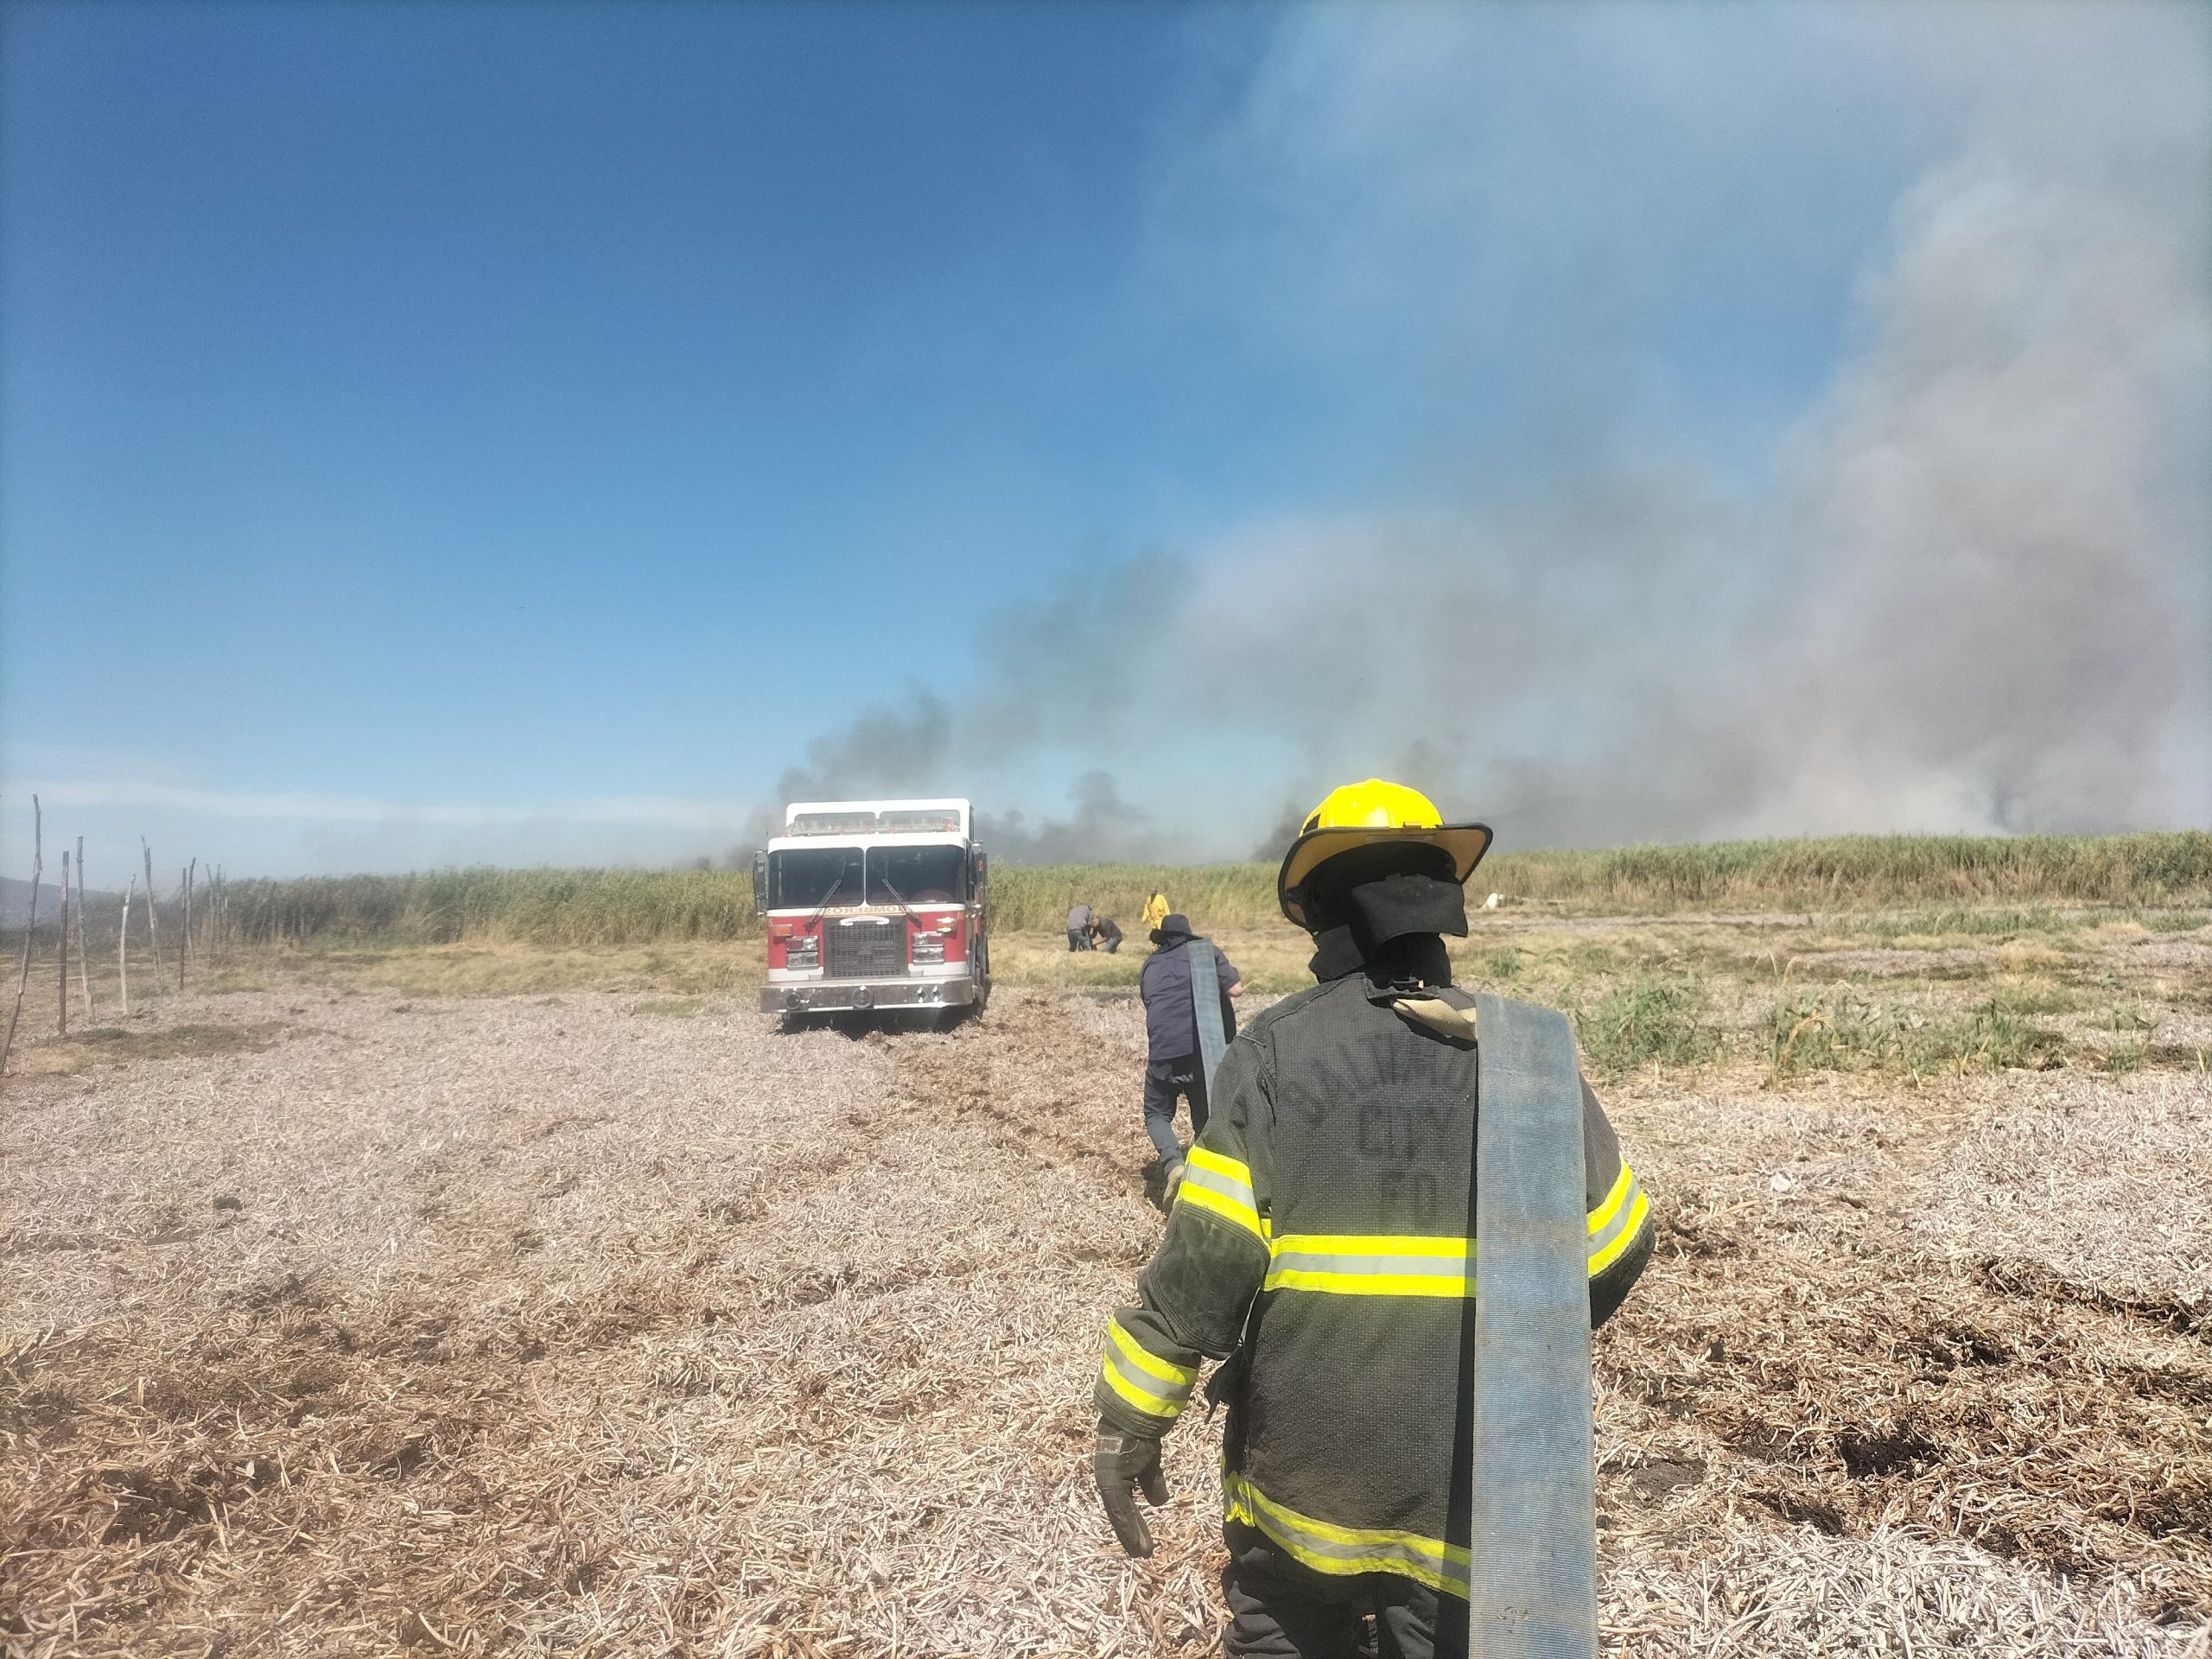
(497, 1299)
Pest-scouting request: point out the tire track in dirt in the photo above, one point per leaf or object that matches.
(1040, 1078)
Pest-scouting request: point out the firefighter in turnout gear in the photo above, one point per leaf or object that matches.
(1319, 1244)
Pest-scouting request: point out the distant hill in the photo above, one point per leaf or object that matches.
(15, 900)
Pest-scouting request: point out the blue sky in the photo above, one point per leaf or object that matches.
(512, 433)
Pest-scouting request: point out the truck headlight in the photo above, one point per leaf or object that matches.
(802, 954)
(928, 948)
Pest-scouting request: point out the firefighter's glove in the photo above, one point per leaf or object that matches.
(1122, 1463)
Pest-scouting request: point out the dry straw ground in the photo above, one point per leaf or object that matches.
(341, 1322)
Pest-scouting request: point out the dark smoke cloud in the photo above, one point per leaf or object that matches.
(1069, 672)
(1103, 828)
(886, 750)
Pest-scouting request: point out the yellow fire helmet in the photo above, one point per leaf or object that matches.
(1365, 815)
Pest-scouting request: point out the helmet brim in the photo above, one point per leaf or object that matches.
(1466, 842)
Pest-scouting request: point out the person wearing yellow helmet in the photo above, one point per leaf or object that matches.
(1321, 1244)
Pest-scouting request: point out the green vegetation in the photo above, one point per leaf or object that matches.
(1789, 995)
(1841, 872)
(2126, 1016)
(1848, 872)
(1214, 896)
(1843, 1031)
(1960, 924)
(563, 907)
(1938, 880)
(2175, 921)
(1786, 957)
(2036, 999)
(1645, 1021)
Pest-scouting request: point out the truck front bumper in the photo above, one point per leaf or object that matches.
(858, 995)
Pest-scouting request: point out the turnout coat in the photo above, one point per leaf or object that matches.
(1319, 1244)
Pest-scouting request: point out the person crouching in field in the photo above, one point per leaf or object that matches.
(1106, 935)
(1171, 1026)
(1078, 926)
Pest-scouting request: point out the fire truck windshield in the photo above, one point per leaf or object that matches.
(916, 876)
(809, 878)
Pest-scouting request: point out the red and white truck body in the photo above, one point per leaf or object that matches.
(874, 905)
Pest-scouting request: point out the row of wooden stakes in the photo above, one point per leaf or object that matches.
(207, 924)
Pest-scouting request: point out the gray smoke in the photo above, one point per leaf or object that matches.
(1103, 828)
(1066, 674)
(2006, 623)
(886, 750)
(1980, 597)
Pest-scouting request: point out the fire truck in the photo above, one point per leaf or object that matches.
(874, 905)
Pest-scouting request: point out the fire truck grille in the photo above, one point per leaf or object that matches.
(864, 949)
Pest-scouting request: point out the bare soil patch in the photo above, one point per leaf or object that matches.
(578, 1325)
(111, 1044)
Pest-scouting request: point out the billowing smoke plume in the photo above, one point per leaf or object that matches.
(2004, 618)
(1977, 596)
(1104, 826)
(1065, 675)
(885, 752)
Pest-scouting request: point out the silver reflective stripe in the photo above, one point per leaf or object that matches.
(1205, 1004)
(1533, 1592)
(1196, 1174)
(1621, 1220)
(1413, 1267)
(1170, 1394)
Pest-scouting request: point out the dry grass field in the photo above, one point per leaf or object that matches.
(536, 1303)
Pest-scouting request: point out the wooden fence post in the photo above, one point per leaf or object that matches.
(123, 947)
(84, 951)
(63, 957)
(30, 923)
(153, 906)
(184, 946)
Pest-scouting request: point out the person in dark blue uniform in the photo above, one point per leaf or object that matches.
(1171, 1025)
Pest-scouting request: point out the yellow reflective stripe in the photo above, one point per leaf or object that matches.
(1145, 1360)
(1200, 1198)
(1614, 1223)
(1609, 1205)
(1227, 1168)
(1604, 1253)
(1368, 1264)
(1347, 1550)
(1222, 1186)
(1156, 1387)
(1366, 1284)
(1151, 1405)
(1389, 1264)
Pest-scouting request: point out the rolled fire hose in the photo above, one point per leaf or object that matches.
(1533, 1588)
(1205, 1004)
